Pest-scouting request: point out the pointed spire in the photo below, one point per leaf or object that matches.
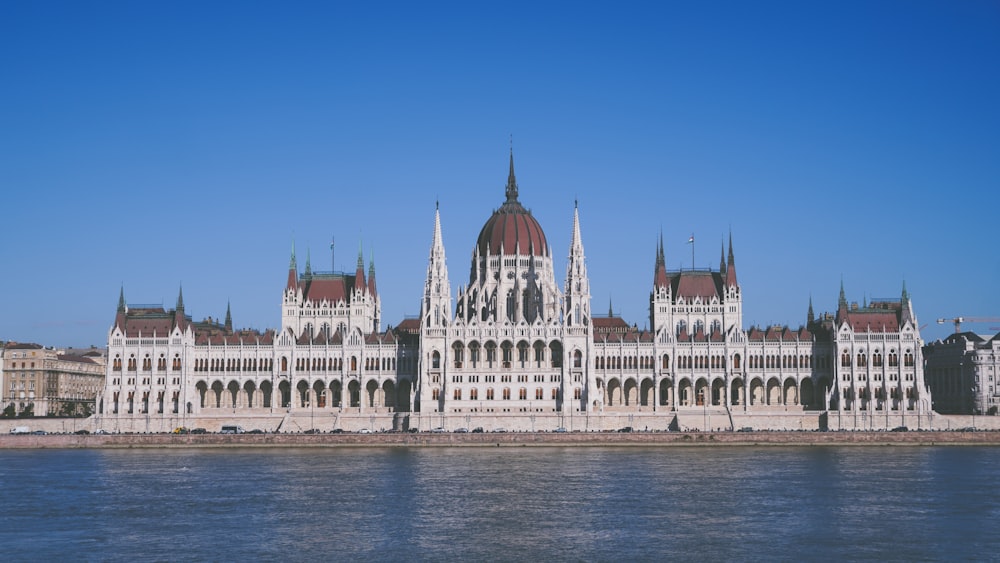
(722, 258)
(121, 299)
(180, 298)
(731, 264)
(810, 316)
(577, 240)
(661, 259)
(309, 270)
(437, 242)
(371, 272)
(842, 300)
(660, 278)
(511, 190)
(611, 310)
(906, 294)
(291, 264)
(359, 270)
(229, 318)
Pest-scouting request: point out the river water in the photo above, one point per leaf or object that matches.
(502, 504)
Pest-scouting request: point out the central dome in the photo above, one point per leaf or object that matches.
(512, 228)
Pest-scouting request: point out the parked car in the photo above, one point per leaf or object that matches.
(364, 431)
(82, 431)
(625, 429)
(477, 430)
(439, 429)
(560, 430)
(461, 430)
(199, 431)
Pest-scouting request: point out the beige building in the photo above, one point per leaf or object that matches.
(43, 381)
(963, 372)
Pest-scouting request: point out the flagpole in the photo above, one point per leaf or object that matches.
(691, 242)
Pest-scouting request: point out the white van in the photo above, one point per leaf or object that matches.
(20, 430)
(232, 429)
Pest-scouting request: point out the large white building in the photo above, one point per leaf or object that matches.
(517, 346)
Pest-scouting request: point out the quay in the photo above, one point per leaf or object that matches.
(509, 439)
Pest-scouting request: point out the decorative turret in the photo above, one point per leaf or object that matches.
(731, 265)
(179, 310)
(229, 319)
(577, 289)
(371, 273)
(511, 190)
(293, 274)
(841, 302)
(435, 308)
(660, 278)
(907, 315)
(359, 272)
(722, 258)
(810, 316)
(121, 300)
(309, 270)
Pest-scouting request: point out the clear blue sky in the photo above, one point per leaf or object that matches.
(154, 144)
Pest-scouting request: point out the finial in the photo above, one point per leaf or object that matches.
(511, 190)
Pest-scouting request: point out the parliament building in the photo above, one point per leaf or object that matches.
(512, 348)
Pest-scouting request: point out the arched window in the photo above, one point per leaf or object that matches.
(736, 361)
(577, 359)
(435, 360)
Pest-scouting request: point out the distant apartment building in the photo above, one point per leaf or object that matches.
(39, 381)
(962, 372)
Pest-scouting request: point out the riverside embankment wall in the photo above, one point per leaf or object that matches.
(515, 439)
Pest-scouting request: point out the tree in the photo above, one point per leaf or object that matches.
(29, 411)
(10, 411)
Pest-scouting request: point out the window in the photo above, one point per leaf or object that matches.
(523, 394)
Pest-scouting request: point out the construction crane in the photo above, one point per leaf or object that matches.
(959, 320)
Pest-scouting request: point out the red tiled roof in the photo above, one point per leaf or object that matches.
(874, 321)
(693, 284)
(610, 324)
(330, 289)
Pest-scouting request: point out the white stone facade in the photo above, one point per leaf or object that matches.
(513, 343)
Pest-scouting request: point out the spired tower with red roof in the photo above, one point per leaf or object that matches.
(318, 305)
(695, 304)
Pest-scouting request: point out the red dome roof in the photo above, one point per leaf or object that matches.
(512, 227)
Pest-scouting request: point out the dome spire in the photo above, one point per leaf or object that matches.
(511, 190)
